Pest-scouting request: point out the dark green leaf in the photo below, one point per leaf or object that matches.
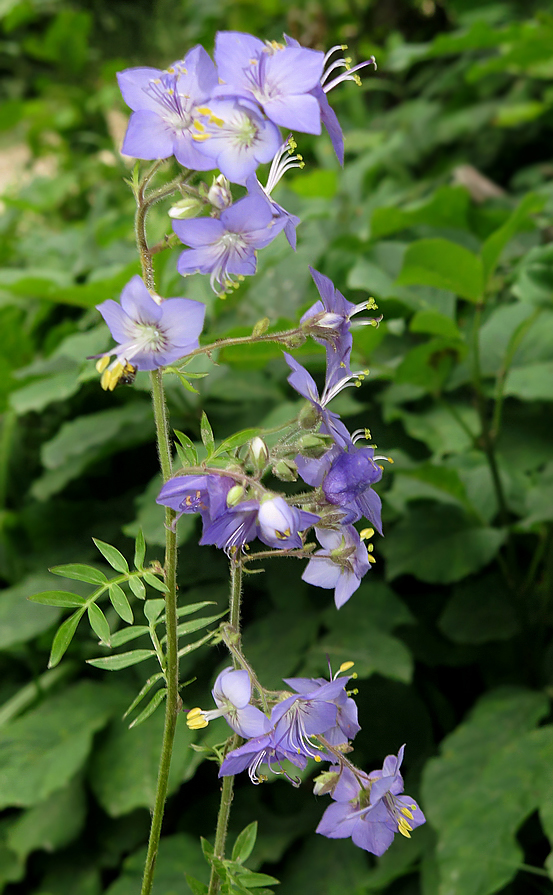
(190, 453)
(196, 886)
(145, 689)
(494, 245)
(80, 572)
(122, 660)
(64, 636)
(153, 609)
(237, 440)
(50, 824)
(444, 264)
(116, 559)
(120, 603)
(99, 623)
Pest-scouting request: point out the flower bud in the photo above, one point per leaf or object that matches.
(286, 471)
(308, 416)
(261, 327)
(235, 495)
(219, 194)
(258, 453)
(189, 207)
(314, 446)
(326, 783)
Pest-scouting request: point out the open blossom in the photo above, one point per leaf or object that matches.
(226, 247)
(149, 333)
(232, 693)
(204, 494)
(340, 565)
(312, 712)
(166, 106)
(257, 752)
(348, 482)
(346, 724)
(236, 136)
(284, 160)
(305, 385)
(371, 808)
(276, 76)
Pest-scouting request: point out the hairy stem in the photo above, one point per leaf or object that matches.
(172, 662)
(228, 782)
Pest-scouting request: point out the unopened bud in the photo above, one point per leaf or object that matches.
(189, 207)
(259, 453)
(235, 495)
(286, 471)
(308, 416)
(314, 446)
(261, 327)
(295, 340)
(326, 783)
(219, 194)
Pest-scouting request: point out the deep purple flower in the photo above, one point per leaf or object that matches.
(232, 692)
(277, 77)
(150, 333)
(233, 528)
(205, 494)
(258, 751)
(280, 524)
(235, 135)
(226, 248)
(370, 808)
(348, 485)
(341, 564)
(166, 105)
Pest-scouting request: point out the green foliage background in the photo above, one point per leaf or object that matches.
(443, 214)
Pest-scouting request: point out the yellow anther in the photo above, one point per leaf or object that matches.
(218, 121)
(201, 138)
(204, 110)
(389, 459)
(102, 363)
(347, 60)
(345, 666)
(344, 47)
(171, 91)
(301, 165)
(198, 125)
(171, 71)
(404, 827)
(318, 758)
(196, 719)
(370, 548)
(371, 558)
(355, 691)
(366, 533)
(407, 813)
(357, 79)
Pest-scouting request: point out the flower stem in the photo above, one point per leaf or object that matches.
(228, 782)
(172, 662)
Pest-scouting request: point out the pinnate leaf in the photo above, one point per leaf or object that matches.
(58, 598)
(99, 623)
(116, 559)
(123, 660)
(63, 637)
(80, 572)
(120, 603)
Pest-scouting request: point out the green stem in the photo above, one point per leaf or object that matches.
(172, 661)
(282, 337)
(228, 782)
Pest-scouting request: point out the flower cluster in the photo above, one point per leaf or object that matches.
(318, 721)
(227, 114)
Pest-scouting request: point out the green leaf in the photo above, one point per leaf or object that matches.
(447, 207)
(234, 441)
(533, 382)
(116, 559)
(139, 550)
(58, 598)
(197, 623)
(45, 748)
(445, 265)
(196, 886)
(99, 623)
(122, 660)
(120, 603)
(51, 824)
(207, 434)
(437, 324)
(190, 647)
(137, 587)
(479, 611)
(145, 689)
(155, 701)
(188, 448)
(207, 849)
(153, 609)
(154, 582)
(126, 634)
(439, 545)
(244, 844)
(178, 856)
(125, 764)
(80, 572)
(194, 607)
(63, 637)
(494, 245)
(252, 880)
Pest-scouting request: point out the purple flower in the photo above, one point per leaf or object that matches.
(305, 385)
(340, 565)
(235, 135)
(232, 692)
(166, 105)
(346, 726)
(258, 751)
(233, 528)
(348, 485)
(277, 77)
(205, 494)
(283, 161)
(280, 524)
(226, 248)
(298, 718)
(150, 333)
(371, 808)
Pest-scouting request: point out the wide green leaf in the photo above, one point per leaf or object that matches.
(444, 264)
(50, 824)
